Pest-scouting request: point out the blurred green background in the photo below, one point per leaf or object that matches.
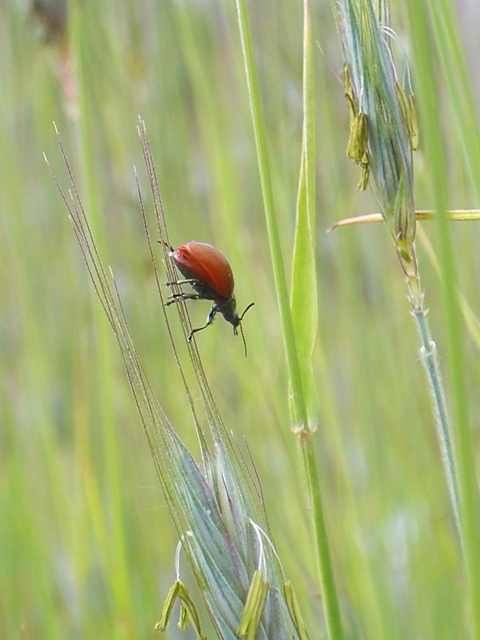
(86, 543)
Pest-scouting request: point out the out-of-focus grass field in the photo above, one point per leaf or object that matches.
(86, 543)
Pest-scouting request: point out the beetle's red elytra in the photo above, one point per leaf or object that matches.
(210, 275)
(201, 261)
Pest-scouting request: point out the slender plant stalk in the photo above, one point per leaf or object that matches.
(299, 411)
(428, 353)
(464, 442)
(383, 134)
(298, 405)
(383, 148)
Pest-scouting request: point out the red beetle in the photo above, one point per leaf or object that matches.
(209, 273)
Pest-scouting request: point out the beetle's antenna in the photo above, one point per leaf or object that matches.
(241, 329)
(244, 341)
(249, 307)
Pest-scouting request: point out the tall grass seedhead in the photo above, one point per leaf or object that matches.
(382, 120)
(372, 88)
(215, 504)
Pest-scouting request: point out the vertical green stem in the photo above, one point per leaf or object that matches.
(327, 578)
(469, 501)
(428, 352)
(299, 411)
(298, 404)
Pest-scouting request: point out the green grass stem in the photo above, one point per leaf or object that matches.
(428, 353)
(463, 437)
(300, 421)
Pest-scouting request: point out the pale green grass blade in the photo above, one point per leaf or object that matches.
(299, 415)
(304, 303)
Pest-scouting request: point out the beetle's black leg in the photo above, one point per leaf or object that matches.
(165, 244)
(209, 321)
(187, 281)
(181, 296)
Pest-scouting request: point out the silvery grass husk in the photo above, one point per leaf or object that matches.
(216, 503)
(383, 134)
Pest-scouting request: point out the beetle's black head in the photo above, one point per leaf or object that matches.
(229, 311)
